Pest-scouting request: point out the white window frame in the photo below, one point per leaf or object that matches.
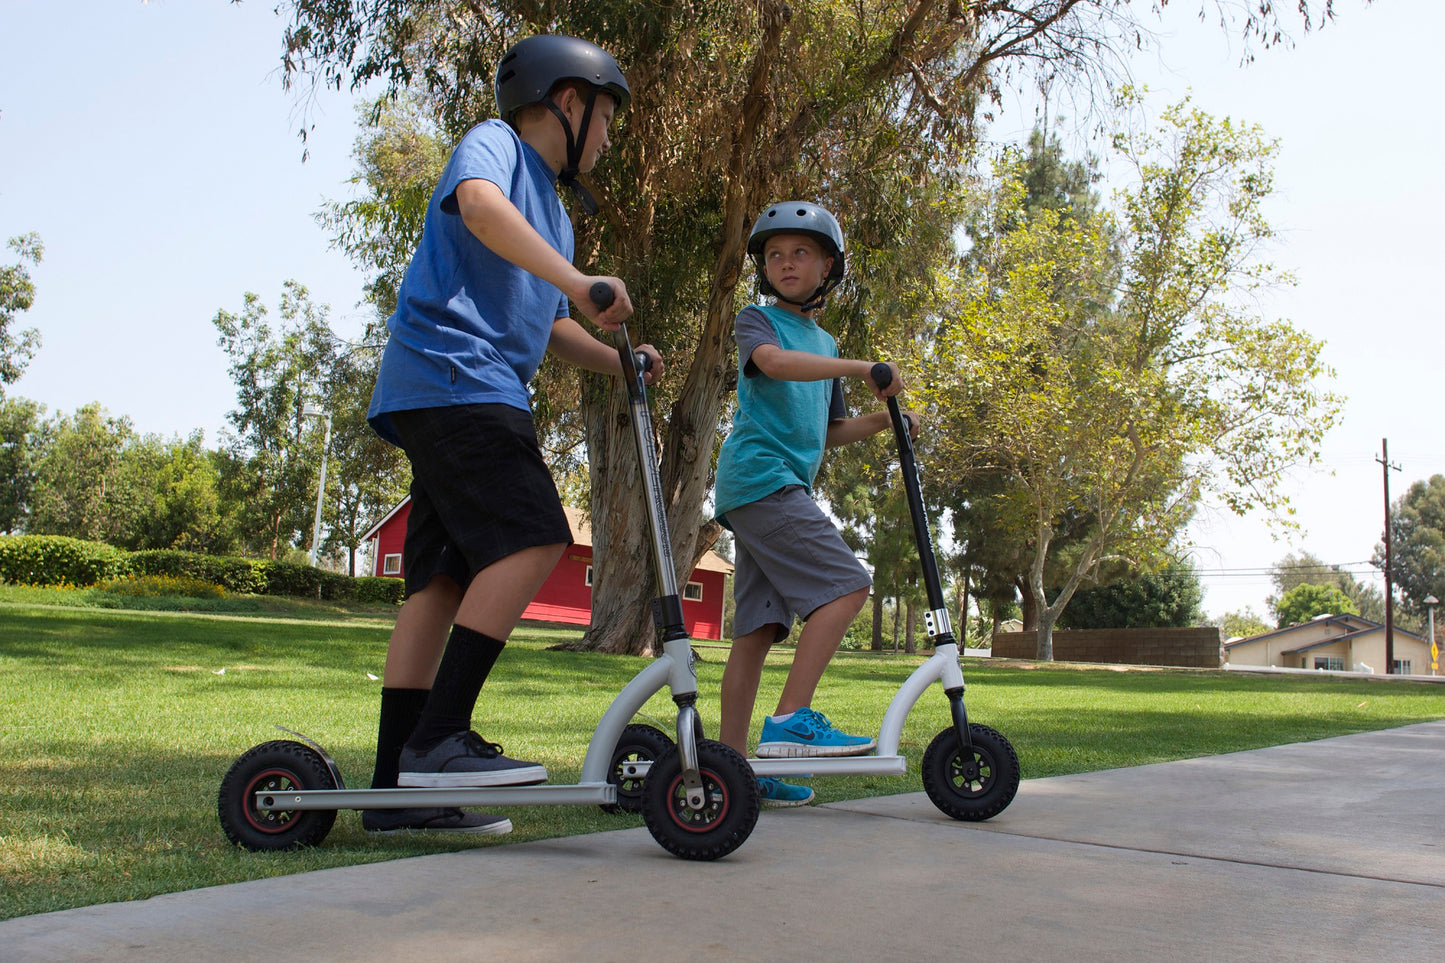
(391, 564)
(692, 592)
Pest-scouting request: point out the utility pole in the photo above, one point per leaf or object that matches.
(1384, 461)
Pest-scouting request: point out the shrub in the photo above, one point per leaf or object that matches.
(242, 576)
(288, 578)
(58, 560)
(376, 588)
(160, 586)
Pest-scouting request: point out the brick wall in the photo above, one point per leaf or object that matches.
(1198, 648)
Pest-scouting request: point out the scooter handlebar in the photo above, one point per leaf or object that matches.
(602, 295)
(882, 375)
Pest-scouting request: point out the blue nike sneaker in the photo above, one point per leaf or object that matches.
(809, 733)
(775, 792)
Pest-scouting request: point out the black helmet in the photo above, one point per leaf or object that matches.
(799, 217)
(533, 66)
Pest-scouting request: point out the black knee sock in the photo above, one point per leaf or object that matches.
(468, 659)
(400, 710)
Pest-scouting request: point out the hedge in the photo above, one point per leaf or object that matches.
(57, 560)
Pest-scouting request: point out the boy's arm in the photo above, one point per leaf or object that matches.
(845, 431)
(571, 343)
(780, 364)
(495, 221)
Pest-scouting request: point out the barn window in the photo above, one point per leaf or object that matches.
(391, 565)
(692, 591)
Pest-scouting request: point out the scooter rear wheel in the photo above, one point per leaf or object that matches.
(974, 786)
(274, 767)
(638, 743)
(726, 818)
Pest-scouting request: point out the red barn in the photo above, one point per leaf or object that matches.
(566, 596)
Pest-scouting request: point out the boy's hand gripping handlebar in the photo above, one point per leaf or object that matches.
(634, 363)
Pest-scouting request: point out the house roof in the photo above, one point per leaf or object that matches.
(581, 534)
(1351, 626)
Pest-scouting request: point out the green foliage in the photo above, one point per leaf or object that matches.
(158, 586)
(1240, 625)
(1417, 526)
(275, 450)
(1304, 602)
(1099, 374)
(19, 422)
(58, 560)
(17, 294)
(1304, 568)
(375, 588)
(243, 576)
(1167, 598)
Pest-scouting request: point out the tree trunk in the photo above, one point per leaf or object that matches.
(910, 643)
(877, 620)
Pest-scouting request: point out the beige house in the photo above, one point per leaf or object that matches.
(1342, 643)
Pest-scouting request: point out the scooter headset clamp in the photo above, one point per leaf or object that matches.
(799, 217)
(533, 67)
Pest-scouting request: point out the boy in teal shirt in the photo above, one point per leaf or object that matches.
(791, 560)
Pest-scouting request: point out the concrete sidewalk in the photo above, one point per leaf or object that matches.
(1329, 850)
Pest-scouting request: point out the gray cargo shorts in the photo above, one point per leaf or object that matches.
(790, 560)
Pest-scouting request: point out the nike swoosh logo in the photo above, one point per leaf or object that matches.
(804, 734)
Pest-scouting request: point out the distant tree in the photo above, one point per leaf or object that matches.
(366, 476)
(1108, 425)
(1167, 598)
(1417, 525)
(17, 294)
(80, 489)
(1305, 568)
(19, 423)
(275, 453)
(1239, 625)
(1304, 602)
(178, 502)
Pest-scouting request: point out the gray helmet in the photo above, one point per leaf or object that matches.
(533, 66)
(799, 217)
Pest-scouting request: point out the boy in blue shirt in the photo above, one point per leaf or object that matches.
(484, 298)
(791, 560)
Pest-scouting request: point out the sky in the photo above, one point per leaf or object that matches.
(153, 149)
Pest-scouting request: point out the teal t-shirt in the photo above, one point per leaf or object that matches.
(780, 429)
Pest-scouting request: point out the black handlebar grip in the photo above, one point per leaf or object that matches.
(882, 375)
(602, 295)
(643, 361)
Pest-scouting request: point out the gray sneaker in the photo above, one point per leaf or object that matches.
(385, 821)
(465, 759)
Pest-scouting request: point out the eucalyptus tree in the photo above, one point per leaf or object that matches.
(866, 107)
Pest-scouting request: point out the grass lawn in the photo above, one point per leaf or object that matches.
(118, 726)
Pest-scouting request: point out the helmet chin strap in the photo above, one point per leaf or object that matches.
(575, 144)
(815, 300)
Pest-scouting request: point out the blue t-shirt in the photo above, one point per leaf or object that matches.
(471, 327)
(780, 429)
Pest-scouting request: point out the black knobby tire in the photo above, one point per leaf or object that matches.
(638, 743)
(725, 820)
(971, 789)
(278, 767)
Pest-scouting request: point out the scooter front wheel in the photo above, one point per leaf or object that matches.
(638, 743)
(729, 811)
(972, 786)
(275, 767)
